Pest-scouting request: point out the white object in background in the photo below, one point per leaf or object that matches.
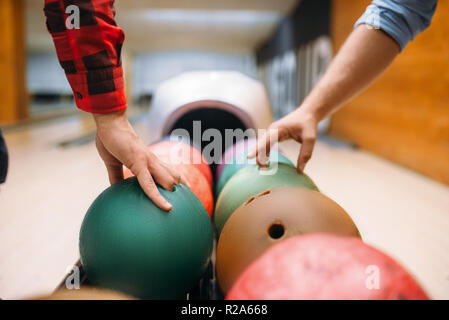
(231, 91)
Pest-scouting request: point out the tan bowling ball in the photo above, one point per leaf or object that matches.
(270, 217)
(85, 293)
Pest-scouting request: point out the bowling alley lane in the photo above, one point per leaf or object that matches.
(44, 201)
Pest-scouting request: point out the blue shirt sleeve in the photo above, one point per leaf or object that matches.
(402, 20)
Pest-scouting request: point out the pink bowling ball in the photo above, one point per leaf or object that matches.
(241, 146)
(233, 151)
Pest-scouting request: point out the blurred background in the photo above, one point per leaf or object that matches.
(384, 156)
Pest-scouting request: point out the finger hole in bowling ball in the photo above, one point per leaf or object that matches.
(174, 188)
(249, 200)
(276, 231)
(264, 193)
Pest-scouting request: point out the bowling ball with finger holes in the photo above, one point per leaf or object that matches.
(130, 245)
(240, 162)
(325, 267)
(273, 216)
(252, 180)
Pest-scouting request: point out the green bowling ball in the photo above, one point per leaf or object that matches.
(250, 181)
(129, 245)
(240, 162)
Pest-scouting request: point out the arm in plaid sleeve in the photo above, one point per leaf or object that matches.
(90, 55)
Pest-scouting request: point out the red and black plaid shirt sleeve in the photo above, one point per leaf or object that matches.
(90, 54)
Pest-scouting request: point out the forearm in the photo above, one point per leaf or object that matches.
(118, 123)
(362, 58)
(89, 53)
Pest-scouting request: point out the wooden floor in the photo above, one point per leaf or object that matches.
(49, 189)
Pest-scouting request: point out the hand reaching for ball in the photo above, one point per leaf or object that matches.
(118, 145)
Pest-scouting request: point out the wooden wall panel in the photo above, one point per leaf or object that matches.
(404, 115)
(13, 93)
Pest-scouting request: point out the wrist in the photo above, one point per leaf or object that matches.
(110, 119)
(309, 112)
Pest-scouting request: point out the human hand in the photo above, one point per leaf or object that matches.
(300, 125)
(118, 145)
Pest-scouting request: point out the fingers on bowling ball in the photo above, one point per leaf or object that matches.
(241, 146)
(174, 152)
(195, 180)
(129, 245)
(240, 162)
(166, 176)
(149, 187)
(197, 184)
(325, 267)
(273, 216)
(250, 181)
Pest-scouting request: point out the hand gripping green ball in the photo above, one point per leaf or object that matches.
(130, 245)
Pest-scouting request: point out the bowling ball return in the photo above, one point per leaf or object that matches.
(218, 100)
(222, 99)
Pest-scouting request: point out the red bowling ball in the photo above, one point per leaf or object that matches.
(324, 267)
(198, 185)
(178, 152)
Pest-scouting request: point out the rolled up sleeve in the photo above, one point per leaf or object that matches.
(90, 54)
(402, 20)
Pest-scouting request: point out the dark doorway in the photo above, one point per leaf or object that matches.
(210, 118)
